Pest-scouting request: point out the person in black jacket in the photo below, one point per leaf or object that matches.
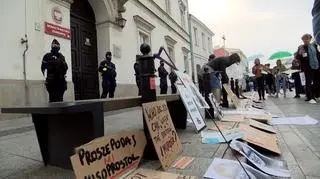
(173, 79)
(55, 67)
(163, 74)
(137, 74)
(220, 64)
(308, 56)
(109, 74)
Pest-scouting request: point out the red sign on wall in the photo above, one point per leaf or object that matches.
(152, 83)
(56, 30)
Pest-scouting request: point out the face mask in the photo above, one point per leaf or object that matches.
(55, 49)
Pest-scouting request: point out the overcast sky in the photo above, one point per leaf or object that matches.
(256, 26)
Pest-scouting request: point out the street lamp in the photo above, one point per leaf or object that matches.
(121, 22)
(224, 41)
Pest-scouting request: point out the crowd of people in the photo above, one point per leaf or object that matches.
(306, 65)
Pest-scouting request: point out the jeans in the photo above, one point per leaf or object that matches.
(297, 83)
(282, 78)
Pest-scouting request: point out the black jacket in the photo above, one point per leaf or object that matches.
(56, 66)
(220, 64)
(304, 60)
(107, 70)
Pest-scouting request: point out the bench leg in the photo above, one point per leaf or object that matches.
(41, 126)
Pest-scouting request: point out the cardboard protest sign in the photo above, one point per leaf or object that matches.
(164, 136)
(261, 126)
(259, 117)
(183, 162)
(265, 164)
(233, 118)
(192, 109)
(110, 156)
(233, 97)
(260, 138)
(222, 127)
(153, 174)
(188, 83)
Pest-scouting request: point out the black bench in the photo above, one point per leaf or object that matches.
(61, 127)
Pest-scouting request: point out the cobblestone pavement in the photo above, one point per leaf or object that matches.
(300, 145)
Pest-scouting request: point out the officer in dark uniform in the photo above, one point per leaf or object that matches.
(137, 74)
(163, 74)
(109, 74)
(173, 79)
(55, 66)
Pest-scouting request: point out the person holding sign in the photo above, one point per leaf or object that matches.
(257, 71)
(163, 74)
(220, 64)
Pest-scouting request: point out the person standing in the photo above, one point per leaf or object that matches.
(109, 74)
(137, 74)
(270, 80)
(232, 85)
(173, 79)
(163, 74)
(307, 55)
(219, 65)
(54, 68)
(296, 78)
(280, 78)
(257, 71)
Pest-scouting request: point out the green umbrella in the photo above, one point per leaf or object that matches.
(280, 54)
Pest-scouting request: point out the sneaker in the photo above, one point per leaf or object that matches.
(312, 101)
(307, 100)
(296, 96)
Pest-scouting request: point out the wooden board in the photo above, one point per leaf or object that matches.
(110, 156)
(262, 126)
(164, 136)
(260, 138)
(236, 101)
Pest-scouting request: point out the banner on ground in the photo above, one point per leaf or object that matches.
(270, 166)
(110, 156)
(153, 174)
(230, 169)
(187, 82)
(192, 109)
(164, 136)
(210, 137)
(260, 138)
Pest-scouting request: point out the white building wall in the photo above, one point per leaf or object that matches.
(14, 26)
(201, 49)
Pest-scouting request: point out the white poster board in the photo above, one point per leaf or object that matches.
(191, 107)
(191, 87)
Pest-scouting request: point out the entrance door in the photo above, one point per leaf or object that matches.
(84, 51)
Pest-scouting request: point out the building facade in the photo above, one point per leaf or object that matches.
(201, 45)
(86, 29)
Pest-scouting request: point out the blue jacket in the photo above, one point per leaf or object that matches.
(215, 80)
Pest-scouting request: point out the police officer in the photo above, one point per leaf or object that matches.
(109, 74)
(163, 74)
(54, 67)
(173, 79)
(137, 74)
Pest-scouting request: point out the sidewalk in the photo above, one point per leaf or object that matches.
(300, 145)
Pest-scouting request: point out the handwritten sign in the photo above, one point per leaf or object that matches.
(191, 87)
(109, 156)
(152, 174)
(183, 162)
(164, 136)
(192, 108)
